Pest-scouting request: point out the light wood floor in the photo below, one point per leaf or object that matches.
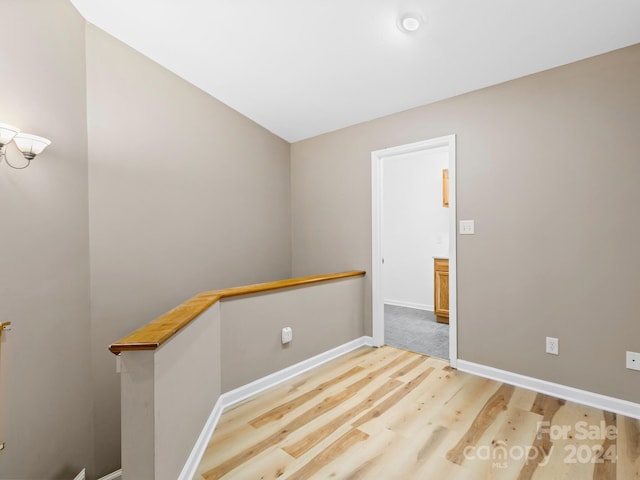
(387, 414)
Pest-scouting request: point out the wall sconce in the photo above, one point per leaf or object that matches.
(29, 145)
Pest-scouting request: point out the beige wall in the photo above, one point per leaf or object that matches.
(548, 168)
(44, 257)
(185, 195)
(189, 363)
(322, 316)
(168, 395)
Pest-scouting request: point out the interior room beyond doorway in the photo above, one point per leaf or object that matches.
(415, 231)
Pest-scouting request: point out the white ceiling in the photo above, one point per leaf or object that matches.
(305, 67)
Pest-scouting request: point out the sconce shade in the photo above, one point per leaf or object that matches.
(31, 145)
(7, 132)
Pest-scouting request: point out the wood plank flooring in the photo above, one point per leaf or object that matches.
(389, 414)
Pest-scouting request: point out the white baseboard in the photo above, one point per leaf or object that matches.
(603, 402)
(189, 470)
(112, 476)
(417, 306)
(239, 394)
(81, 475)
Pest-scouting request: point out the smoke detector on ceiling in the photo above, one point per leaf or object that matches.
(410, 22)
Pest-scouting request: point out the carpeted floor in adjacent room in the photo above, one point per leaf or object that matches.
(416, 330)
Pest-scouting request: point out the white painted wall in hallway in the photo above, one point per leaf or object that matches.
(415, 226)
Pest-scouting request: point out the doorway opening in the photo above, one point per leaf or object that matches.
(410, 226)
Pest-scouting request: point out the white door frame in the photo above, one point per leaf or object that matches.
(377, 295)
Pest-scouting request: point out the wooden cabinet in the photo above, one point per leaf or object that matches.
(445, 188)
(441, 289)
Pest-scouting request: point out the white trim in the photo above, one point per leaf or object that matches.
(189, 470)
(239, 394)
(113, 475)
(242, 393)
(377, 294)
(603, 402)
(453, 256)
(417, 306)
(377, 297)
(81, 475)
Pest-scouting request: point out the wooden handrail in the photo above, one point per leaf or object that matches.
(4, 326)
(158, 331)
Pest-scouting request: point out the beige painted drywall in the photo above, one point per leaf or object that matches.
(548, 166)
(167, 396)
(44, 256)
(185, 195)
(138, 415)
(322, 316)
(187, 387)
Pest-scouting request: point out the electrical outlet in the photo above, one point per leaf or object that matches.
(287, 335)
(633, 361)
(552, 345)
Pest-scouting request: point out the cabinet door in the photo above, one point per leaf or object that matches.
(441, 290)
(442, 294)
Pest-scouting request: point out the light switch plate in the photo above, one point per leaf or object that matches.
(467, 227)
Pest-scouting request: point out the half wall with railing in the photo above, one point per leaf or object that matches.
(176, 369)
